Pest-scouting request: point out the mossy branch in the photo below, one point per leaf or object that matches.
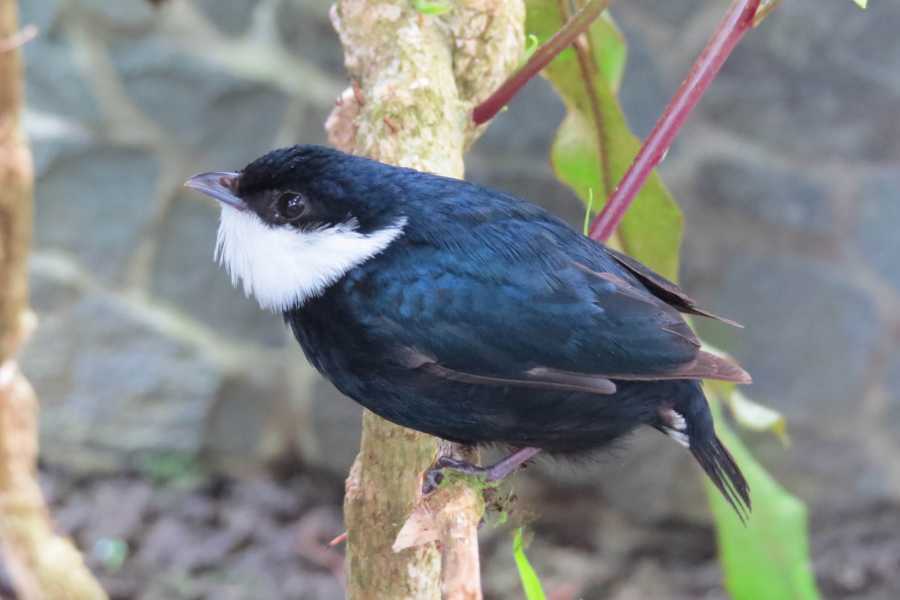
(416, 78)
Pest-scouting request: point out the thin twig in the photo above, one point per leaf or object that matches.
(18, 39)
(737, 21)
(549, 50)
(337, 541)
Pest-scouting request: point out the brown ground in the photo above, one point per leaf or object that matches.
(264, 538)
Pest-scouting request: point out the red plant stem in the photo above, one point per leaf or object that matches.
(731, 29)
(549, 50)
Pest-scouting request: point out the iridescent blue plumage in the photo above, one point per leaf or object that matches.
(488, 320)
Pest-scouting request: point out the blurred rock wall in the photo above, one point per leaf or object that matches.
(790, 183)
(788, 176)
(146, 352)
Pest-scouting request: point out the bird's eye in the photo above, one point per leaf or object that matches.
(290, 205)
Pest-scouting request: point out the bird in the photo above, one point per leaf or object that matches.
(467, 313)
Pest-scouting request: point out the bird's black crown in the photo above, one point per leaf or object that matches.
(335, 188)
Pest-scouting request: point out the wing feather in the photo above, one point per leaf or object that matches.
(538, 377)
(664, 289)
(519, 298)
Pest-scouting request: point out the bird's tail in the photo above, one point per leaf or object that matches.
(720, 467)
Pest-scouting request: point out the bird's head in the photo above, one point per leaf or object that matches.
(297, 219)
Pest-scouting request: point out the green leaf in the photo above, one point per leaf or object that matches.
(863, 4)
(594, 145)
(769, 556)
(432, 7)
(529, 578)
(756, 417)
(531, 44)
(588, 211)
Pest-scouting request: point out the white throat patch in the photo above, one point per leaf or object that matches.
(281, 266)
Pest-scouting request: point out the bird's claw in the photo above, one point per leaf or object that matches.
(435, 475)
(491, 474)
(432, 481)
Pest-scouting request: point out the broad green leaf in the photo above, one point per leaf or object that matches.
(863, 4)
(530, 581)
(769, 556)
(594, 145)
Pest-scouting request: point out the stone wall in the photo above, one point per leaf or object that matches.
(145, 349)
(788, 175)
(789, 178)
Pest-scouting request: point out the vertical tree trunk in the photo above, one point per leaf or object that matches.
(416, 78)
(42, 565)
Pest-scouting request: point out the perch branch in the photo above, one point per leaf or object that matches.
(415, 79)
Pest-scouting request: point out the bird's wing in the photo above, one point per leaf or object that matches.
(664, 289)
(536, 377)
(521, 299)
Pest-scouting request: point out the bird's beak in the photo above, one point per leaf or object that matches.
(219, 185)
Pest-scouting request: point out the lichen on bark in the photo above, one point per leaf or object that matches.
(415, 80)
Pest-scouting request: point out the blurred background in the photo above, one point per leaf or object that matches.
(191, 451)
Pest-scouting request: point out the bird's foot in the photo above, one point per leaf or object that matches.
(490, 474)
(435, 475)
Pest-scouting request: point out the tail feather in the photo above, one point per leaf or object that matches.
(720, 467)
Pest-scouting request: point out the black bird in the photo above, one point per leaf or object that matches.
(467, 313)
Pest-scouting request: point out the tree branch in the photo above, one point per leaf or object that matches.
(414, 86)
(563, 38)
(42, 565)
(737, 21)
